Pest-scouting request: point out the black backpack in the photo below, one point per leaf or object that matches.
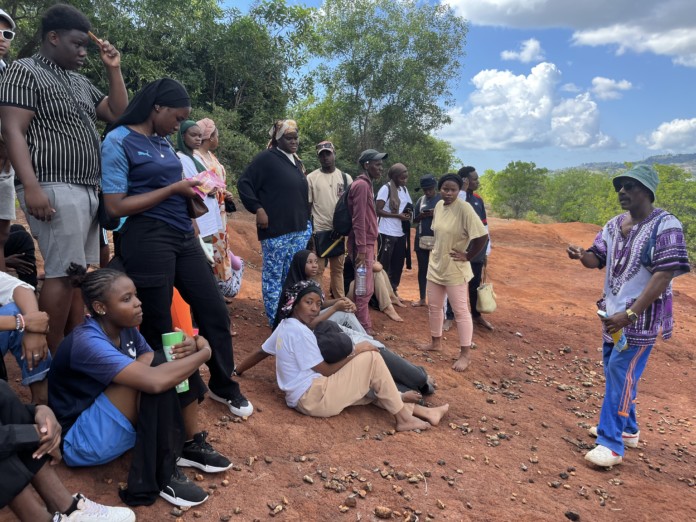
(342, 218)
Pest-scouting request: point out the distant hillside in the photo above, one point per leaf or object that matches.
(684, 161)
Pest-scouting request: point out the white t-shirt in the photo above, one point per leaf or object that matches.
(296, 352)
(392, 226)
(8, 284)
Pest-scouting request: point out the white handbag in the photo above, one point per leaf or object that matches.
(486, 296)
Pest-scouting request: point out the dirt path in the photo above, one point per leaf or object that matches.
(512, 445)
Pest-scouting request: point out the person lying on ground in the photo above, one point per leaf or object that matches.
(320, 389)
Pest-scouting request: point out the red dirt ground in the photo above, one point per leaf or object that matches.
(511, 447)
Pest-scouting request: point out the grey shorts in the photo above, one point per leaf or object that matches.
(7, 196)
(72, 235)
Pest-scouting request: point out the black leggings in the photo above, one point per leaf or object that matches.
(392, 255)
(158, 258)
(423, 257)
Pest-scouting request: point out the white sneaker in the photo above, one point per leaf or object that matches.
(630, 440)
(603, 456)
(88, 511)
(238, 406)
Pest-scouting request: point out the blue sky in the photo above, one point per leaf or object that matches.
(562, 82)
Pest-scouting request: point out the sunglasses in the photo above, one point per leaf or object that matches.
(7, 34)
(626, 186)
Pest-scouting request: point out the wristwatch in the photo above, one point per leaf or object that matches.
(632, 316)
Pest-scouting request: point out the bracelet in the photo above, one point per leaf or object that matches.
(20, 323)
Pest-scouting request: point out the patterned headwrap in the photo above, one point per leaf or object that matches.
(293, 295)
(207, 128)
(279, 128)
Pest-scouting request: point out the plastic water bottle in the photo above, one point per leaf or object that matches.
(361, 281)
(619, 338)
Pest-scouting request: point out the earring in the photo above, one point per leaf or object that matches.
(101, 312)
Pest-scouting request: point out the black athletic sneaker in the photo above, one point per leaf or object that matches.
(238, 405)
(182, 492)
(198, 453)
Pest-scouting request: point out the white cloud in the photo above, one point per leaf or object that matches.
(673, 136)
(664, 27)
(509, 111)
(530, 51)
(570, 87)
(608, 89)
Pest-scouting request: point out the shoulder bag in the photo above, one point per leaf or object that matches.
(486, 296)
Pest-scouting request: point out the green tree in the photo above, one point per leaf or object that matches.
(517, 189)
(387, 67)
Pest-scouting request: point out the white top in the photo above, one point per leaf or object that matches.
(392, 226)
(7, 288)
(296, 352)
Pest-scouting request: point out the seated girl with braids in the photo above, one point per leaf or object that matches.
(111, 392)
(321, 389)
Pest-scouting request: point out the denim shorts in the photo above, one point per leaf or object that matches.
(101, 434)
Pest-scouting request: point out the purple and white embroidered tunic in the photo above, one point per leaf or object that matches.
(626, 277)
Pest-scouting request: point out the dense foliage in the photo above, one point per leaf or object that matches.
(523, 191)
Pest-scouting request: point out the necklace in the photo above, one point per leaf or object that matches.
(153, 145)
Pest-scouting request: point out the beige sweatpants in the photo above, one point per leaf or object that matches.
(383, 290)
(349, 386)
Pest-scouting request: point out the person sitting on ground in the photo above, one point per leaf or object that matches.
(320, 389)
(20, 254)
(413, 381)
(23, 331)
(29, 438)
(383, 298)
(111, 393)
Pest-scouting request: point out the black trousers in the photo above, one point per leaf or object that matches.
(16, 469)
(20, 242)
(159, 439)
(477, 269)
(423, 257)
(392, 255)
(158, 258)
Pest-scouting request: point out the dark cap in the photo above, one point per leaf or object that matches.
(371, 155)
(427, 181)
(325, 145)
(333, 343)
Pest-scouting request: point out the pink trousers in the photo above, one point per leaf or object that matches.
(458, 296)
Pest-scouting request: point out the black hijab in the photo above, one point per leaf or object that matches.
(165, 92)
(296, 273)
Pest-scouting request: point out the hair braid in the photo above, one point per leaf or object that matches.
(94, 285)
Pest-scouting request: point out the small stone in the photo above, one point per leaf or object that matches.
(176, 512)
(350, 502)
(441, 462)
(383, 512)
(225, 518)
(197, 514)
(563, 475)
(225, 482)
(440, 504)
(237, 510)
(198, 477)
(572, 515)
(268, 459)
(343, 509)
(469, 506)
(308, 479)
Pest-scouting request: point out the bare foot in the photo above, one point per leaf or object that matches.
(398, 302)
(432, 415)
(483, 322)
(418, 303)
(434, 345)
(405, 421)
(411, 396)
(391, 314)
(464, 360)
(447, 325)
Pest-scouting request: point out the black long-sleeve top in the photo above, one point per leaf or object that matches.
(273, 183)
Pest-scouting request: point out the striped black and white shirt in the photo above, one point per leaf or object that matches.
(61, 146)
